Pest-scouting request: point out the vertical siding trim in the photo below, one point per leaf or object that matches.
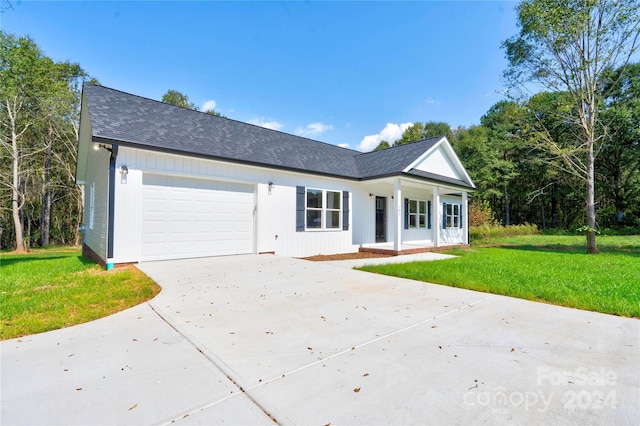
(406, 213)
(300, 204)
(345, 210)
(112, 197)
(444, 215)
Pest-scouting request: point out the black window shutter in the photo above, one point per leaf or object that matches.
(444, 215)
(428, 214)
(345, 210)
(460, 222)
(300, 204)
(406, 213)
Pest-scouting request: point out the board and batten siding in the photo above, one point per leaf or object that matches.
(275, 209)
(452, 235)
(95, 236)
(438, 162)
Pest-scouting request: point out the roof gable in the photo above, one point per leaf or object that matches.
(441, 160)
(392, 161)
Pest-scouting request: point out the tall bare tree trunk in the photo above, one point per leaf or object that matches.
(16, 202)
(592, 247)
(45, 217)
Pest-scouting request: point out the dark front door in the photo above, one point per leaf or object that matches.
(381, 219)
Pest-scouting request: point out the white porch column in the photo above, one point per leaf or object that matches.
(397, 205)
(465, 217)
(437, 217)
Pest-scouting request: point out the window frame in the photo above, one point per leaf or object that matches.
(414, 217)
(325, 211)
(453, 215)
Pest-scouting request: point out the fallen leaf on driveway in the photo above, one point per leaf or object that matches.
(78, 389)
(133, 407)
(356, 390)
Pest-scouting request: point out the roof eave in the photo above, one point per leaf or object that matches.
(129, 144)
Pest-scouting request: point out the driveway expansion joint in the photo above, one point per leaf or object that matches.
(217, 364)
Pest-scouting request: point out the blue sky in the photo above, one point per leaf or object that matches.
(332, 71)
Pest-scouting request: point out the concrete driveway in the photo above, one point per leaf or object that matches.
(263, 339)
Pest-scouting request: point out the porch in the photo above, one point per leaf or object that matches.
(406, 248)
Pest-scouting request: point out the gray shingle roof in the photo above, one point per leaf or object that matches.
(392, 161)
(130, 120)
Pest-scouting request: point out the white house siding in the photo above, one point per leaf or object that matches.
(438, 162)
(418, 234)
(275, 220)
(452, 235)
(98, 176)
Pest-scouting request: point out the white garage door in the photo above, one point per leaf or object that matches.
(185, 217)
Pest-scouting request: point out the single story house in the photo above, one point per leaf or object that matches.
(164, 182)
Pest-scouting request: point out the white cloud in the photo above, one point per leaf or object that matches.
(432, 101)
(209, 105)
(313, 129)
(391, 133)
(267, 124)
(343, 145)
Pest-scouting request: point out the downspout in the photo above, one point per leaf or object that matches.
(112, 197)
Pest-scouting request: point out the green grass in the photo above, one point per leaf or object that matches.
(49, 289)
(552, 269)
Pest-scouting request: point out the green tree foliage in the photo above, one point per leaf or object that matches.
(382, 145)
(419, 131)
(38, 141)
(176, 98)
(567, 46)
(619, 161)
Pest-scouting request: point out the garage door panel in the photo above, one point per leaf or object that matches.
(193, 218)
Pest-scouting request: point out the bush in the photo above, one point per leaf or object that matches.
(480, 214)
(485, 232)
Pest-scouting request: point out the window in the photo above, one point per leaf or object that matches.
(418, 211)
(452, 216)
(92, 197)
(323, 209)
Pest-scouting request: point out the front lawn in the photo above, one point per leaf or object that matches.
(49, 289)
(553, 269)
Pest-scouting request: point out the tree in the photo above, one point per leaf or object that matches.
(503, 121)
(38, 137)
(419, 131)
(432, 129)
(619, 161)
(19, 66)
(176, 98)
(213, 112)
(413, 133)
(382, 145)
(567, 45)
